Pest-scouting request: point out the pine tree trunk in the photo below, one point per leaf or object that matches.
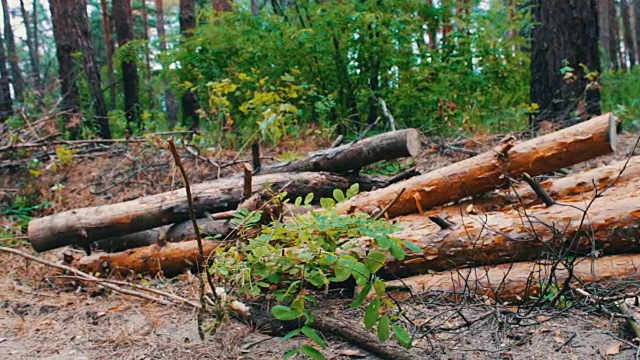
(629, 44)
(16, 74)
(189, 100)
(147, 52)
(607, 32)
(636, 23)
(108, 41)
(6, 103)
(169, 95)
(121, 10)
(255, 11)
(566, 35)
(222, 5)
(34, 58)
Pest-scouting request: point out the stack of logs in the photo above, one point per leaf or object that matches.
(480, 228)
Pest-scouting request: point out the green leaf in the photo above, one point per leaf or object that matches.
(371, 314)
(308, 199)
(298, 201)
(291, 334)
(338, 195)
(383, 328)
(298, 304)
(353, 190)
(327, 203)
(402, 335)
(284, 313)
(290, 353)
(312, 352)
(383, 241)
(361, 273)
(374, 261)
(412, 247)
(380, 287)
(361, 296)
(397, 252)
(313, 335)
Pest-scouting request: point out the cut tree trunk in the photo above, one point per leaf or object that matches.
(86, 225)
(387, 146)
(512, 282)
(611, 226)
(492, 169)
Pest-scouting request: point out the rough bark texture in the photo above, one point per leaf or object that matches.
(84, 226)
(124, 29)
(16, 73)
(387, 146)
(169, 95)
(6, 103)
(512, 282)
(147, 53)
(627, 31)
(170, 259)
(488, 171)
(611, 227)
(565, 31)
(108, 41)
(189, 100)
(34, 58)
(606, 33)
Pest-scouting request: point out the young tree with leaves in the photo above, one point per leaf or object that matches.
(564, 59)
(128, 58)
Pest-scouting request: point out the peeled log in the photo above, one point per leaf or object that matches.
(86, 225)
(512, 282)
(170, 259)
(611, 226)
(387, 146)
(491, 170)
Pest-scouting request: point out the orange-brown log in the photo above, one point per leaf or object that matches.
(611, 226)
(513, 282)
(86, 225)
(492, 169)
(170, 259)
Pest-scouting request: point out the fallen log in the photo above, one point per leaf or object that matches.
(492, 169)
(386, 146)
(86, 225)
(611, 226)
(517, 281)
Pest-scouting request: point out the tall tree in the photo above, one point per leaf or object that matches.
(72, 35)
(34, 58)
(629, 44)
(636, 22)
(222, 5)
(187, 24)
(147, 51)
(16, 73)
(565, 36)
(6, 104)
(124, 30)
(108, 41)
(169, 95)
(607, 31)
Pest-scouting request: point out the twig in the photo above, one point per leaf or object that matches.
(368, 128)
(442, 223)
(192, 214)
(387, 113)
(337, 142)
(543, 195)
(248, 171)
(381, 213)
(558, 348)
(404, 175)
(631, 319)
(86, 276)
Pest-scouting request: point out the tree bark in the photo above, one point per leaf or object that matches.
(34, 57)
(124, 30)
(636, 24)
(607, 33)
(565, 35)
(189, 100)
(147, 53)
(611, 227)
(387, 146)
(491, 170)
(169, 95)
(108, 41)
(514, 282)
(222, 5)
(14, 62)
(627, 31)
(84, 226)
(6, 103)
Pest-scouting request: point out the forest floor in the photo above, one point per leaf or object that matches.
(46, 316)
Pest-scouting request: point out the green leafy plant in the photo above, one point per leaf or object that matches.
(311, 251)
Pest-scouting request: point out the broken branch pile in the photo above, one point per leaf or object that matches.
(585, 214)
